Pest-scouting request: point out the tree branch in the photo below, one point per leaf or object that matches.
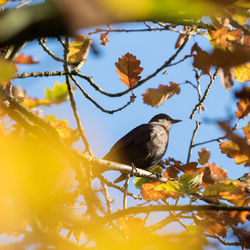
(184, 208)
(104, 165)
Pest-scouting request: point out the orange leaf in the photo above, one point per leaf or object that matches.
(156, 97)
(243, 108)
(190, 168)
(222, 37)
(128, 69)
(232, 150)
(204, 156)
(22, 59)
(156, 190)
(104, 38)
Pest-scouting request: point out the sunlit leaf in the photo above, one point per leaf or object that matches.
(243, 107)
(156, 97)
(156, 190)
(58, 94)
(67, 133)
(128, 67)
(79, 49)
(232, 150)
(242, 73)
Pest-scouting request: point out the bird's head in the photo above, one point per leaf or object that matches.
(165, 120)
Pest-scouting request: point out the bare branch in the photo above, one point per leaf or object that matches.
(72, 101)
(197, 106)
(223, 241)
(111, 184)
(192, 141)
(98, 105)
(125, 192)
(212, 140)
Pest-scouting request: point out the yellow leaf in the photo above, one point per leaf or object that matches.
(79, 48)
(242, 73)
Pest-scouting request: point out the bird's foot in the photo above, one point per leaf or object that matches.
(134, 169)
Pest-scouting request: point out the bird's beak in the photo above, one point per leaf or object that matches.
(176, 121)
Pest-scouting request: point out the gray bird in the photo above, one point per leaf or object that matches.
(144, 146)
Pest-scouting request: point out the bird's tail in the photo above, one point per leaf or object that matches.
(120, 178)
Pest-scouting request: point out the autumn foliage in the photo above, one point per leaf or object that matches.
(56, 195)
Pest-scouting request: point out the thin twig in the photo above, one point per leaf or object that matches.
(197, 106)
(98, 105)
(46, 49)
(125, 192)
(212, 140)
(106, 196)
(226, 243)
(110, 184)
(192, 141)
(45, 73)
(72, 101)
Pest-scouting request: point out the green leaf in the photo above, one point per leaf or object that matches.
(138, 181)
(58, 94)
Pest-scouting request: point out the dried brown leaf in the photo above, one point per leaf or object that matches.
(128, 67)
(156, 97)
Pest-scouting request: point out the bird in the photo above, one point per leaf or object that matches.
(144, 146)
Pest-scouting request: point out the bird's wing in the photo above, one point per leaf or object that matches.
(138, 136)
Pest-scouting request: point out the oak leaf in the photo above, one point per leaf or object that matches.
(204, 156)
(128, 67)
(243, 108)
(222, 37)
(232, 150)
(156, 97)
(22, 59)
